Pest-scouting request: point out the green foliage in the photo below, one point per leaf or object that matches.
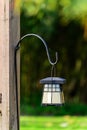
(73, 9)
(44, 18)
(53, 123)
(37, 5)
(68, 9)
(68, 109)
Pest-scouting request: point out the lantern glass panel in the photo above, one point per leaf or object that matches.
(46, 98)
(56, 98)
(57, 87)
(46, 87)
(52, 92)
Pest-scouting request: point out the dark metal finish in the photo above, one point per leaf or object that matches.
(45, 44)
(15, 55)
(52, 104)
(53, 80)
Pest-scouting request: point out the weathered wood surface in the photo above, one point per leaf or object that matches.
(9, 35)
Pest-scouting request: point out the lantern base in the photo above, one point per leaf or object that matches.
(52, 104)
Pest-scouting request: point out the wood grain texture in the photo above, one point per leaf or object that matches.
(9, 35)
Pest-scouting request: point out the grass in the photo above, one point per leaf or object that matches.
(53, 122)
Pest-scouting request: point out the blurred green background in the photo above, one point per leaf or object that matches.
(63, 25)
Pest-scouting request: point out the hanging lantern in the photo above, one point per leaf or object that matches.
(52, 91)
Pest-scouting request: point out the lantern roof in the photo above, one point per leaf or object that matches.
(53, 80)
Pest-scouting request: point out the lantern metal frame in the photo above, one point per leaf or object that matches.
(53, 87)
(15, 62)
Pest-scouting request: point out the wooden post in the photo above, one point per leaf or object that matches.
(9, 35)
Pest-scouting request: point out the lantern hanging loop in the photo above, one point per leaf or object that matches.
(32, 34)
(53, 71)
(15, 55)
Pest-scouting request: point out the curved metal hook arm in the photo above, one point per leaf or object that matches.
(32, 34)
(16, 48)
